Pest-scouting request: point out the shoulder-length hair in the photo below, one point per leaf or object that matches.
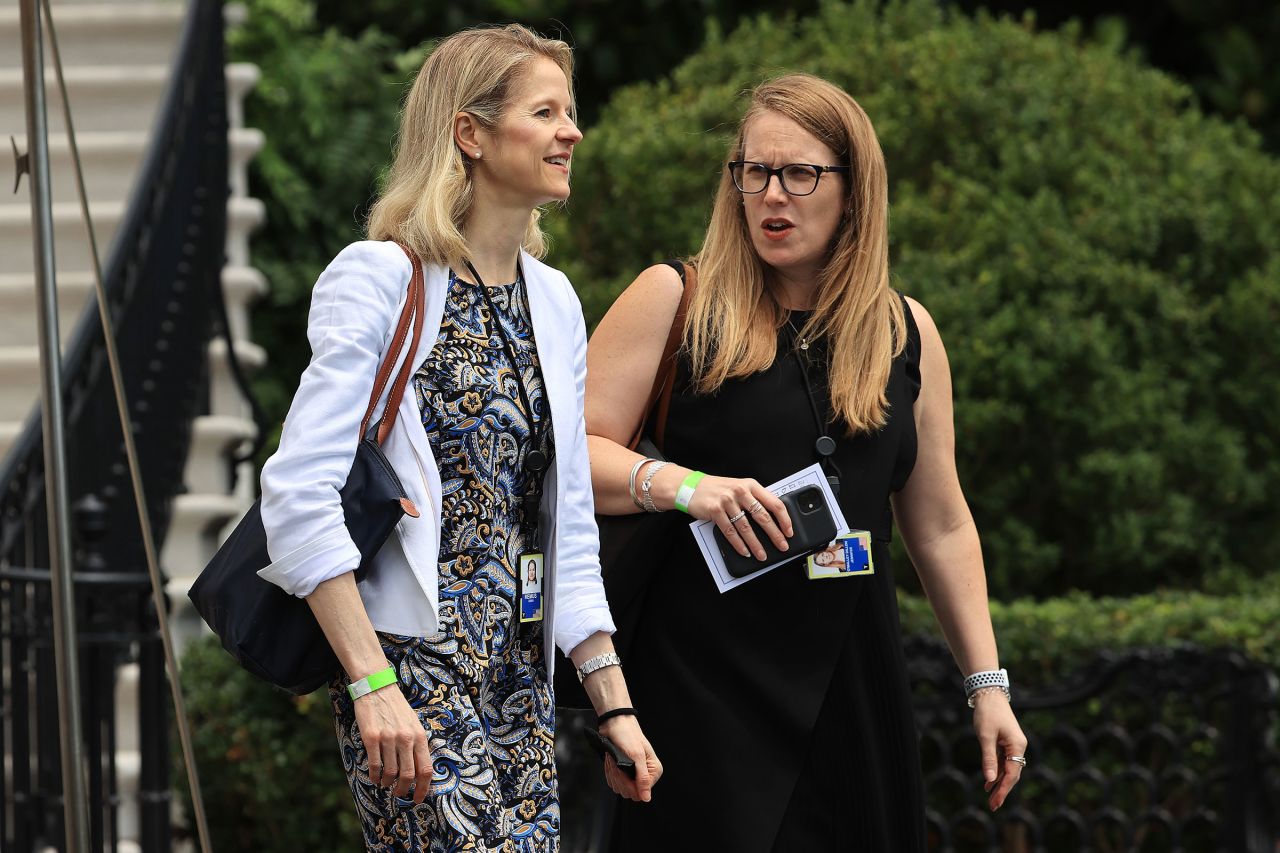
(428, 191)
(734, 315)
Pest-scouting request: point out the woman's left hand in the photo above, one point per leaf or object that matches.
(1001, 739)
(626, 734)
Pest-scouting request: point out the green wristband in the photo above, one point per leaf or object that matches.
(685, 493)
(370, 683)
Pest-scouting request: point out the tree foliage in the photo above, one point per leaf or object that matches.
(1100, 257)
(327, 104)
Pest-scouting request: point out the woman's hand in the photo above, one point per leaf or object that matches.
(394, 737)
(733, 504)
(1001, 739)
(625, 733)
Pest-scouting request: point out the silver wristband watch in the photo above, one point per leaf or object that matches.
(991, 679)
(591, 664)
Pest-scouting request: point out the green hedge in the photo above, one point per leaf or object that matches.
(1042, 640)
(269, 764)
(272, 775)
(1100, 258)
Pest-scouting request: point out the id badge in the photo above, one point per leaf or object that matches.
(531, 571)
(848, 556)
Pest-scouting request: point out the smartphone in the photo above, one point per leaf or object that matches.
(811, 520)
(603, 745)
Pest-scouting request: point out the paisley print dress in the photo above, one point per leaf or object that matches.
(480, 684)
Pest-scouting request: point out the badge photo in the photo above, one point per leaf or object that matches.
(531, 570)
(848, 556)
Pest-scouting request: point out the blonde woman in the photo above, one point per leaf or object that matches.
(443, 711)
(782, 706)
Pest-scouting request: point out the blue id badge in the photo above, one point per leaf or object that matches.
(848, 556)
(531, 571)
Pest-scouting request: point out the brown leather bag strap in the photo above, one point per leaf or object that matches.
(406, 370)
(664, 381)
(412, 313)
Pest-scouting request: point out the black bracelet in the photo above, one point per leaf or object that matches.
(616, 712)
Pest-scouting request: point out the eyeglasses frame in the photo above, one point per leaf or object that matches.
(771, 173)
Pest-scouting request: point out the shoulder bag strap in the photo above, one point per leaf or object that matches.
(664, 381)
(412, 314)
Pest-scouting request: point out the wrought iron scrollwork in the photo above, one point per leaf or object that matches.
(1170, 749)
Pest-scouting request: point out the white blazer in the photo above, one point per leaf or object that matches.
(354, 308)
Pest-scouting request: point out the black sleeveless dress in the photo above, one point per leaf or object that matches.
(781, 709)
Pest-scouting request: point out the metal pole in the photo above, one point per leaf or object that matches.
(75, 805)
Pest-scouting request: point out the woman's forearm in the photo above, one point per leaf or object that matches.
(606, 687)
(951, 571)
(611, 465)
(610, 468)
(338, 608)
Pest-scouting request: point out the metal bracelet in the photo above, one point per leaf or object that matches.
(973, 697)
(591, 664)
(631, 481)
(646, 497)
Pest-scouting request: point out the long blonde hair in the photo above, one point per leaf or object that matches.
(734, 316)
(428, 192)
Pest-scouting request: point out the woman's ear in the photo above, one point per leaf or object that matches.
(466, 135)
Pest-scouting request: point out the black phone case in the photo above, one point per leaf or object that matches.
(603, 745)
(812, 530)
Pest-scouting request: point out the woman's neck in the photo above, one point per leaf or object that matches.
(494, 234)
(795, 292)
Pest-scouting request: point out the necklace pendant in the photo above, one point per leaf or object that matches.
(804, 344)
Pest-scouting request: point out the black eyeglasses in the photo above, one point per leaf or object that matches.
(751, 177)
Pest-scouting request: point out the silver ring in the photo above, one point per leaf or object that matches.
(738, 517)
(755, 507)
(1017, 759)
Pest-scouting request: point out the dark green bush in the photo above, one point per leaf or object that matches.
(269, 764)
(1043, 640)
(272, 776)
(1100, 258)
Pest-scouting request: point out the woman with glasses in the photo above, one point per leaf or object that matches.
(781, 707)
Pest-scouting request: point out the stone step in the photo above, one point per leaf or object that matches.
(103, 97)
(103, 33)
(128, 677)
(225, 397)
(9, 431)
(241, 286)
(111, 159)
(71, 243)
(20, 379)
(195, 528)
(215, 439)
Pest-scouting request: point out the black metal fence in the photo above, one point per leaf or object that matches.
(1170, 750)
(161, 278)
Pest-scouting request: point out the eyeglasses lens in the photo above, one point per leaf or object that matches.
(796, 178)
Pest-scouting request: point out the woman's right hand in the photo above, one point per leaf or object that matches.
(394, 737)
(720, 499)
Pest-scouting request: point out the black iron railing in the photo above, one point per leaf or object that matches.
(1169, 750)
(1149, 750)
(161, 277)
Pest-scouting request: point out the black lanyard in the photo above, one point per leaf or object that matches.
(825, 445)
(536, 460)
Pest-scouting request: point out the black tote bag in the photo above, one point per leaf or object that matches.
(627, 542)
(269, 632)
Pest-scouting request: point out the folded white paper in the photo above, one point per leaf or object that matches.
(704, 531)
